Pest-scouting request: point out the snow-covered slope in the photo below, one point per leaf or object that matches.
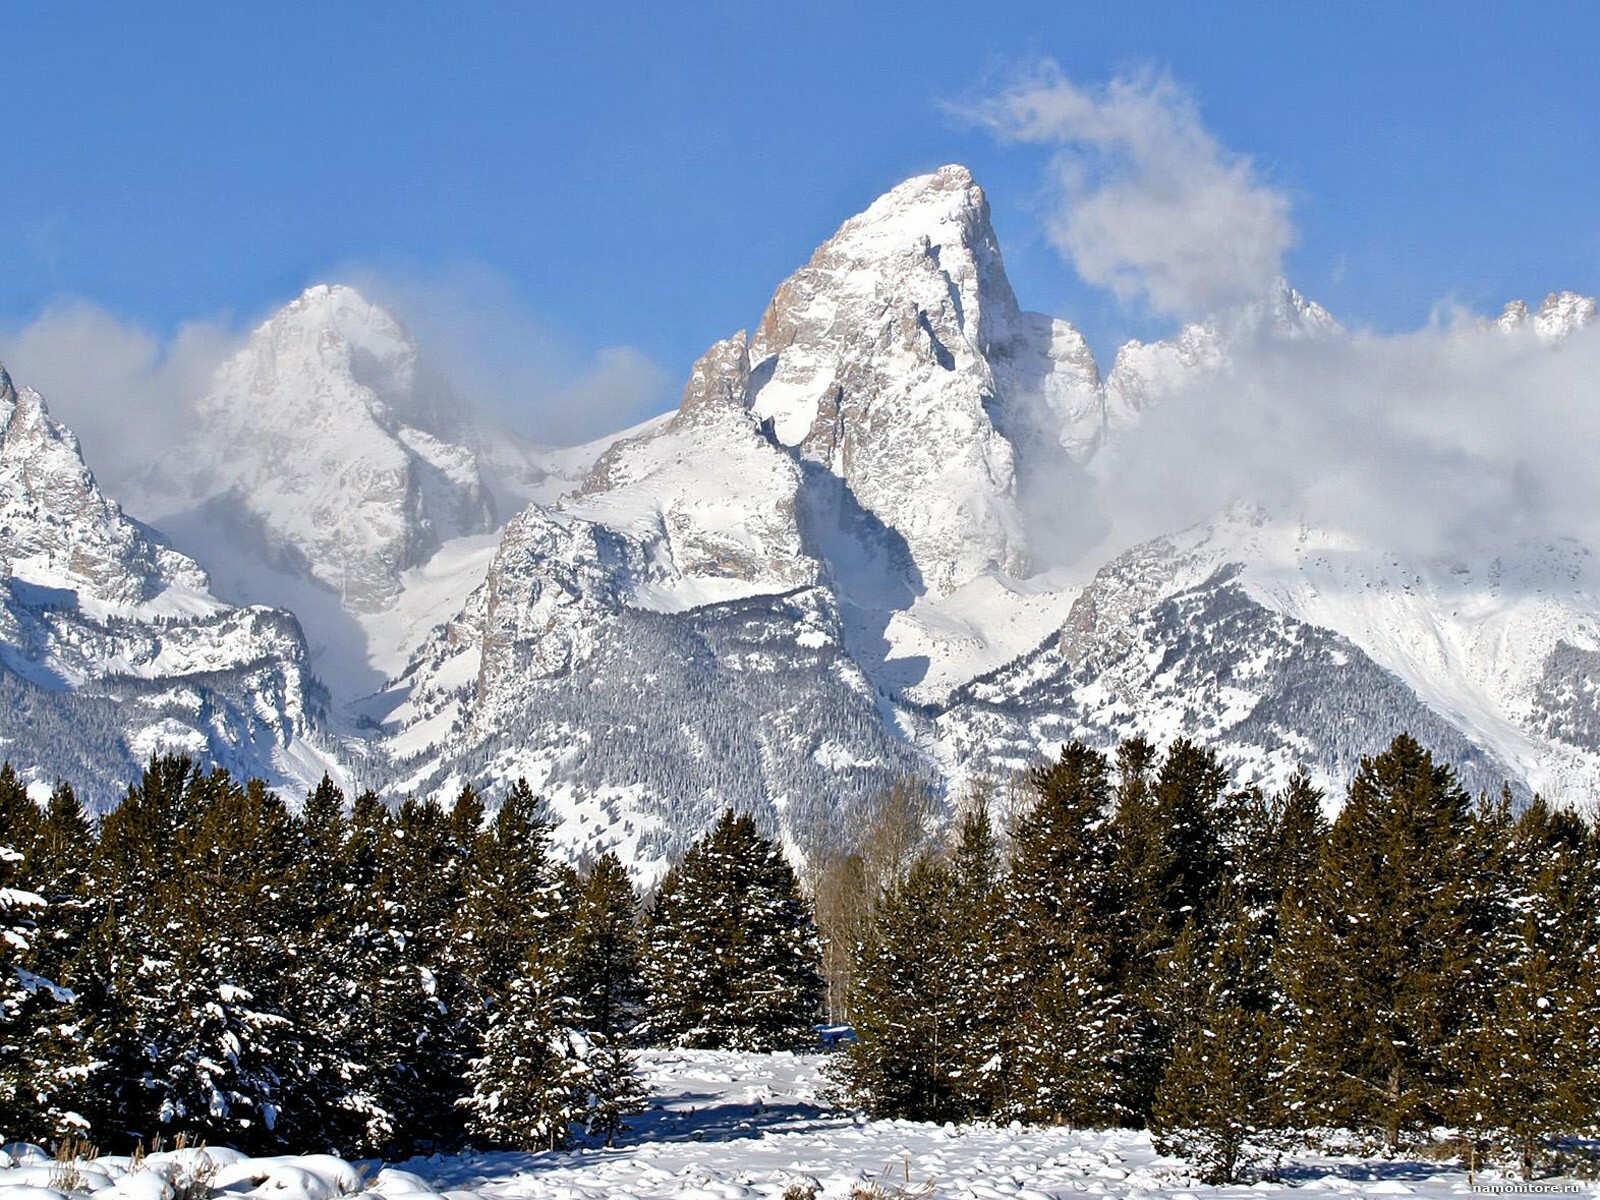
(112, 647)
(720, 1125)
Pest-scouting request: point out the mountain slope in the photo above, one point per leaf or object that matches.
(111, 646)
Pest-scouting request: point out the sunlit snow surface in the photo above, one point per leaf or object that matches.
(728, 1126)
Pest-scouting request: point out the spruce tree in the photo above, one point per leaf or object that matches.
(1378, 949)
(513, 896)
(907, 1059)
(602, 967)
(530, 1085)
(1064, 1022)
(1218, 1100)
(733, 960)
(604, 957)
(923, 994)
(1527, 1048)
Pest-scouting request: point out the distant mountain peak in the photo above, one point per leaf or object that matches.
(58, 529)
(1562, 313)
(323, 441)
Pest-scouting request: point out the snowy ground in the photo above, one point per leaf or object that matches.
(725, 1127)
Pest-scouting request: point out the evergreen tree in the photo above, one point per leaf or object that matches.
(615, 1088)
(1218, 1099)
(604, 957)
(603, 971)
(513, 895)
(1064, 1028)
(733, 960)
(531, 1084)
(1527, 1048)
(1296, 832)
(923, 995)
(907, 1057)
(1379, 949)
(202, 978)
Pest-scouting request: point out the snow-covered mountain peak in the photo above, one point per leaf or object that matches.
(1282, 312)
(332, 452)
(1562, 313)
(872, 363)
(718, 383)
(709, 499)
(1144, 372)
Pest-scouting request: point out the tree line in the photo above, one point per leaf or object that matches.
(1146, 946)
(1135, 943)
(370, 981)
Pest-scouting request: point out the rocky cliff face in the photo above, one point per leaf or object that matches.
(872, 363)
(1561, 314)
(59, 531)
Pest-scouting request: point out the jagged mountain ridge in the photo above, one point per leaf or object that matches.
(827, 547)
(900, 343)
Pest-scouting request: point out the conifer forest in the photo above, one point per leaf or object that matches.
(1127, 941)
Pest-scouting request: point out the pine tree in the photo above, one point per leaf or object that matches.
(604, 957)
(615, 1088)
(513, 896)
(907, 1058)
(531, 1084)
(1218, 1099)
(19, 910)
(1527, 1048)
(1378, 950)
(733, 960)
(46, 1065)
(203, 981)
(1063, 1040)
(923, 991)
(1297, 830)
(602, 968)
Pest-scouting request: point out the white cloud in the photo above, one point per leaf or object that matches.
(119, 386)
(1456, 440)
(1145, 201)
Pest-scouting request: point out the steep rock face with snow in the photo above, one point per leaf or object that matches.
(872, 363)
(324, 441)
(813, 577)
(1561, 314)
(111, 646)
(1288, 643)
(57, 530)
(711, 500)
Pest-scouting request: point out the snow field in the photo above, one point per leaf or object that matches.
(726, 1126)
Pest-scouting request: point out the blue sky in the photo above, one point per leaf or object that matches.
(644, 175)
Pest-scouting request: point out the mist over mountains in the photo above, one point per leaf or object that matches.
(898, 525)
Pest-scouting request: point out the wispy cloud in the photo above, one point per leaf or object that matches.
(125, 388)
(1458, 440)
(1144, 200)
(476, 328)
(121, 387)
